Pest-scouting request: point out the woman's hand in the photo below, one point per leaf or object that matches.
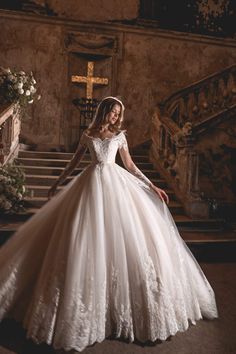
(52, 191)
(161, 193)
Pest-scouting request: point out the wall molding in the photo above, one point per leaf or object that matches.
(117, 27)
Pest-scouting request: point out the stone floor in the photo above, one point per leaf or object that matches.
(207, 337)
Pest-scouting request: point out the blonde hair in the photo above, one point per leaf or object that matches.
(100, 118)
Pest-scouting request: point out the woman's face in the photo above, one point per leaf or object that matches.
(114, 114)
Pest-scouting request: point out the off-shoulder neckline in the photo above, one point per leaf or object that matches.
(96, 137)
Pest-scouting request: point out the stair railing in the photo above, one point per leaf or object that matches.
(203, 99)
(177, 123)
(10, 125)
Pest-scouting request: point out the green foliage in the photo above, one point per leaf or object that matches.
(12, 188)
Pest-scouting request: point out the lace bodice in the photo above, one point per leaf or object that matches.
(104, 150)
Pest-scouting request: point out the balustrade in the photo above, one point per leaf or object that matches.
(203, 99)
(177, 124)
(9, 132)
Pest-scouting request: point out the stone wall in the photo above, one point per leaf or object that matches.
(99, 10)
(151, 65)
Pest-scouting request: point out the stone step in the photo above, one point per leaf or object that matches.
(219, 250)
(41, 191)
(28, 161)
(48, 180)
(56, 171)
(38, 202)
(68, 155)
(209, 236)
(187, 224)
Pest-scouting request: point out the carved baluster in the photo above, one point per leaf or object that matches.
(161, 138)
(184, 113)
(9, 132)
(231, 87)
(225, 92)
(193, 172)
(181, 111)
(174, 113)
(191, 105)
(195, 108)
(2, 127)
(216, 94)
(211, 96)
(8, 136)
(221, 93)
(165, 143)
(203, 100)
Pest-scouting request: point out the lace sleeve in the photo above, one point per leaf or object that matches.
(83, 140)
(134, 170)
(122, 141)
(77, 156)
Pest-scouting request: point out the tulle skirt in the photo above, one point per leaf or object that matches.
(103, 257)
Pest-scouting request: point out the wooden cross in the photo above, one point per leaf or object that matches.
(89, 80)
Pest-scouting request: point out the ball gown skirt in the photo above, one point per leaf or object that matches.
(103, 257)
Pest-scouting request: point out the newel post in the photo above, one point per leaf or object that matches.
(188, 177)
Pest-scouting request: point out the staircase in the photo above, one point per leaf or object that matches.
(205, 237)
(185, 139)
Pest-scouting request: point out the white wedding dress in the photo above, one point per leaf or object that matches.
(103, 257)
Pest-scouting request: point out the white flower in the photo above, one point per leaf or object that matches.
(20, 85)
(32, 89)
(31, 101)
(22, 73)
(27, 93)
(23, 189)
(34, 81)
(19, 195)
(21, 91)
(39, 97)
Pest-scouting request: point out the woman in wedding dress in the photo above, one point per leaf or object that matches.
(103, 257)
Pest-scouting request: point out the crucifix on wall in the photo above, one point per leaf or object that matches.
(89, 80)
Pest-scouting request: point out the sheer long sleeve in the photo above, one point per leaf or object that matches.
(81, 148)
(131, 167)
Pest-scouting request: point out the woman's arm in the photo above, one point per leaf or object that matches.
(68, 169)
(133, 169)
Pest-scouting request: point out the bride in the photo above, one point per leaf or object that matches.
(103, 257)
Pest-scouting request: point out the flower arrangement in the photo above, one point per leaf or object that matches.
(17, 87)
(12, 188)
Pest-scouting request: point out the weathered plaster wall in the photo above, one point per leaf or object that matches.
(217, 150)
(155, 64)
(155, 67)
(214, 17)
(99, 10)
(32, 47)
